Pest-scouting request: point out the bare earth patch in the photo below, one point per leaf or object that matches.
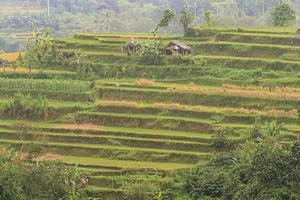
(80, 126)
(133, 36)
(44, 157)
(47, 156)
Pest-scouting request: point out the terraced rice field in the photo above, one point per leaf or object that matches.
(122, 131)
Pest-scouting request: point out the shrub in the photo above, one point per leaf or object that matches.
(23, 179)
(150, 52)
(240, 29)
(23, 106)
(41, 51)
(224, 159)
(272, 129)
(263, 170)
(207, 182)
(220, 140)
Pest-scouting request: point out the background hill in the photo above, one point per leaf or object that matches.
(70, 16)
(67, 17)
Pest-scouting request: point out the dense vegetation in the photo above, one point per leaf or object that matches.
(28, 176)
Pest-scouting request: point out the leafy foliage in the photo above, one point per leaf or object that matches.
(186, 19)
(79, 63)
(272, 129)
(41, 51)
(207, 16)
(166, 19)
(150, 52)
(283, 15)
(23, 179)
(220, 139)
(23, 106)
(263, 169)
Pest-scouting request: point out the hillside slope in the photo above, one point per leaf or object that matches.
(124, 131)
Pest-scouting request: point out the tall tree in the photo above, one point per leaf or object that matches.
(166, 19)
(186, 20)
(207, 16)
(283, 15)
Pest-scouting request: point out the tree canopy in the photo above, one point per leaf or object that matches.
(283, 15)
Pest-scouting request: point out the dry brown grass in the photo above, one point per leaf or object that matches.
(242, 91)
(118, 103)
(242, 111)
(17, 70)
(144, 82)
(283, 113)
(175, 106)
(10, 57)
(80, 127)
(261, 88)
(47, 156)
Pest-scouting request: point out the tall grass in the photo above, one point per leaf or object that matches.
(24, 106)
(46, 85)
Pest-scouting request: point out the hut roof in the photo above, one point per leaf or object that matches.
(180, 44)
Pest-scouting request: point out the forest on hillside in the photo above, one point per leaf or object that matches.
(18, 18)
(66, 17)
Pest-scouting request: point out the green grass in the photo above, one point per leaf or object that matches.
(114, 131)
(167, 144)
(115, 152)
(88, 161)
(259, 38)
(248, 29)
(196, 98)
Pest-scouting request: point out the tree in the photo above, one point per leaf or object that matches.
(41, 51)
(149, 51)
(29, 179)
(166, 19)
(259, 169)
(283, 15)
(207, 16)
(186, 20)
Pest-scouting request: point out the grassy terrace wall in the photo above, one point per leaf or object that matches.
(247, 50)
(259, 38)
(205, 31)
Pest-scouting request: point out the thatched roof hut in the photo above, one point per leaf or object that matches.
(177, 47)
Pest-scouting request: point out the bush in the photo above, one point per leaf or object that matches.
(220, 140)
(24, 106)
(41, 51)
(224, 159)
(206, 182)
(23, 179)
(263, 170)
